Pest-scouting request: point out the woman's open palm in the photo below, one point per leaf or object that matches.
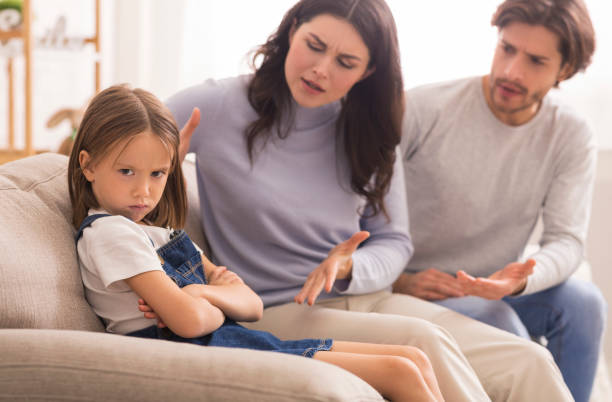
(337, 265)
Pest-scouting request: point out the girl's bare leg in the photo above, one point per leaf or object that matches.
(398, 372)
(416, 355)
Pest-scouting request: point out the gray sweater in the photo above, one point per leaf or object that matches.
(476, 186)
(274, 221)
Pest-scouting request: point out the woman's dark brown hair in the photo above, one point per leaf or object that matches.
(369, 125)
(113, 118)
(568, 19)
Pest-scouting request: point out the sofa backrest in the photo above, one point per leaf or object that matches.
(40, 283)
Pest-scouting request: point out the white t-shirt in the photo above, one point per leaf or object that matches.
(112, 249)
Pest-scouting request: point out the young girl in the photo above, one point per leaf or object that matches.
(127, 191)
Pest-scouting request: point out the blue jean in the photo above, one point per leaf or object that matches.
(570, 316)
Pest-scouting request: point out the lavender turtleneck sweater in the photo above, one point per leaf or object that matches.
(274, 221)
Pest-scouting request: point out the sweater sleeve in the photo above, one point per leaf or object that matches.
(566, 213)
(384, 255)
(207, 96)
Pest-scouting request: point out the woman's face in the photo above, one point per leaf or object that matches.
(326, 58)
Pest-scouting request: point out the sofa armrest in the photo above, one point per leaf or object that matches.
(42, 364)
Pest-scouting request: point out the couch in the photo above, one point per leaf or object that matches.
(53, 347)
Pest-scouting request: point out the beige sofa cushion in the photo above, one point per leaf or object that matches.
(40, 287)
(40, 283)
(193, 225)
(51, 365)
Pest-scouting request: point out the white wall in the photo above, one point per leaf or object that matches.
(440, 40)
(164, 46)
(61, 77)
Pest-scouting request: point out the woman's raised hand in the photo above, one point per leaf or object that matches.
(337, 265)
(187, 132)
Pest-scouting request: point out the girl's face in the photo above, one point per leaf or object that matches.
(131, 178)
(326, 58)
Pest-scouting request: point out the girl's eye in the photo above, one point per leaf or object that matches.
(126, 172)
(158, 173)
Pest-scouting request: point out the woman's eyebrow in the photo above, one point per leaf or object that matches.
(343, 55)
(316, 38)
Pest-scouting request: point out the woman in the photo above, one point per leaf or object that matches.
(301, 191)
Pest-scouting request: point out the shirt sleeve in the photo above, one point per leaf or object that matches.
(411, 128)
(117, 249)
(566, 213)
(384, 255)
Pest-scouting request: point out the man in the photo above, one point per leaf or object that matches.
(484, 158)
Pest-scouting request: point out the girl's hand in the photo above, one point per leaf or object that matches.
(149, 313)
(219, 275)
(187, 132)
(337, 265)
(222, 276)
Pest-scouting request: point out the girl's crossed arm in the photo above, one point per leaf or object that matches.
(225, 291)
(182, 310)
(229, 293)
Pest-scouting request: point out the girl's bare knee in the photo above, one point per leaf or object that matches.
(400, 366)
(420, 358)
(415, 354)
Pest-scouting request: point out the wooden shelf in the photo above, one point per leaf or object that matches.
(15, 33)
(24, 33)
(8, 155)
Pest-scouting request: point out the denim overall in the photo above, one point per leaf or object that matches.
(183, 264)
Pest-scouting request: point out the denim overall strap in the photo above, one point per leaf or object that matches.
(181, 260)
(86, 222)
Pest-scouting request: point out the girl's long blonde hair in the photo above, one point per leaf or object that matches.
(114, 116)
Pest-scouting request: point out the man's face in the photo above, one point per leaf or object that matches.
(526, 65)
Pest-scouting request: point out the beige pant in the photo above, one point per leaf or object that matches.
(465, 353)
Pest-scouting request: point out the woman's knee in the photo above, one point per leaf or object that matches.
(537, 358)
(424, 335)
